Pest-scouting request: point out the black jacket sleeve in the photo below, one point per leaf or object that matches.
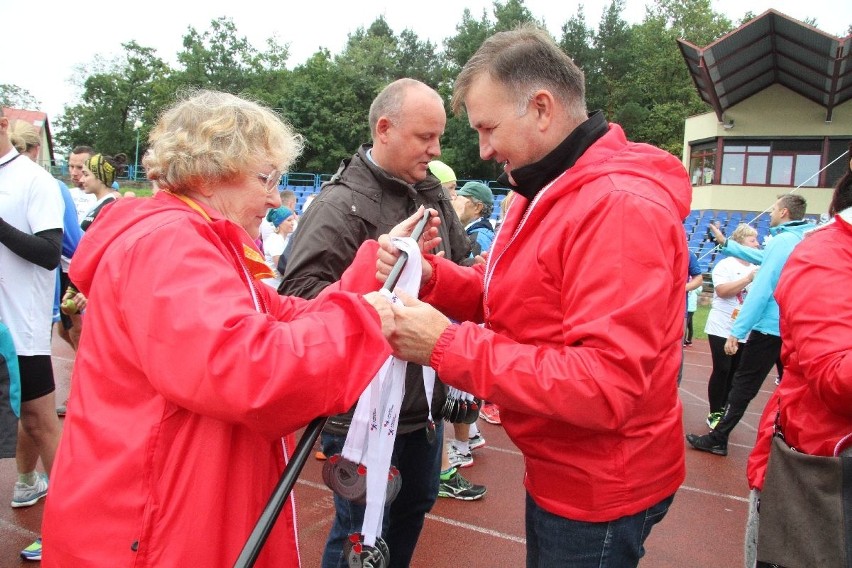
(43, 248)
(321, 248)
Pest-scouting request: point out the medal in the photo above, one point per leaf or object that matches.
(360, 555)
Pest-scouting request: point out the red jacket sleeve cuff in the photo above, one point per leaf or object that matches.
(442, 345)
(426, 288)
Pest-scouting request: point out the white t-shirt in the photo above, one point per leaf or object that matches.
(719, 320)
(266, 229)
(30, 203)
(273, 245)
(84, 202)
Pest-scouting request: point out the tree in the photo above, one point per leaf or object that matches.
(121, 92)
(325, 111)
(612, 61)
(16, 97)
(661, 87)
(577, 41)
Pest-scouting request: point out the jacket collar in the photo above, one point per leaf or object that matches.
(361, 165)
(787, 226)
(533, 177)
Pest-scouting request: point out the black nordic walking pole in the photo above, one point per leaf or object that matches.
(257, 538)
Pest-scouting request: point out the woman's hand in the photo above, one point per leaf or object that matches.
(383, 307)
(73, 302)
(731, 346)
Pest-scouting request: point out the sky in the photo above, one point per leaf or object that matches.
(73, 34)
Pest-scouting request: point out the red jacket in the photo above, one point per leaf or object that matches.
(182, 392)
(583, 303)
(816, 331)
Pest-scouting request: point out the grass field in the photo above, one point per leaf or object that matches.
(698, 321)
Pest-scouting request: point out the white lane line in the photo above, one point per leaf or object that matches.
(475, 528)
(714, 493)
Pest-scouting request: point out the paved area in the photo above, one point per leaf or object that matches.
(703, 528)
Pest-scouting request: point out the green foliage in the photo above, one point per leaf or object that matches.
(15, 97)
(113, 100)
(634, 72)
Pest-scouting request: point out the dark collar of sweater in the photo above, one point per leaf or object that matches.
(533, 177)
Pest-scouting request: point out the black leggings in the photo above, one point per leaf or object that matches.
(724, 367)
(760, 353)
(689, 325)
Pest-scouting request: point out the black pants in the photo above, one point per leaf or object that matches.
(722, 376)
(759, 356)
(688, 337)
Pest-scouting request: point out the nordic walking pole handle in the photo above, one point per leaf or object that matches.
(396, 271)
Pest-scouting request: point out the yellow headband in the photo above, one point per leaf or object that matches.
(101, 169)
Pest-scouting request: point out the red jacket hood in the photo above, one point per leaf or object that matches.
(123, 215)
(613, 154)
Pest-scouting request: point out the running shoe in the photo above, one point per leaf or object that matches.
(27, 495)
(459, 459)
(460, 488)
(713, 418)
(476, 441)
(33, 551)
(490, 413)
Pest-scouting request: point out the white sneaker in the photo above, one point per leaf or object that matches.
(458, 459)
(476, 441)
(27, 495)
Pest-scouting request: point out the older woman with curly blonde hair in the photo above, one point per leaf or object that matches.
(192, 375)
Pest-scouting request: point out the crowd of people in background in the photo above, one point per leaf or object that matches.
(280, 310)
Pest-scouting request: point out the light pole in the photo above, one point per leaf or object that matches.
(136, 126)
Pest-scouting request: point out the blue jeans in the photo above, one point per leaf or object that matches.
(419, 463)
(557, 542)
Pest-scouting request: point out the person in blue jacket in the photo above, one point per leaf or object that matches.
(759, 315)
(474, 203)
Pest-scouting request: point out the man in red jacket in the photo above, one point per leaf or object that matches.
(582, 301)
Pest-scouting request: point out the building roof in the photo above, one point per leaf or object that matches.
(771, 48)
(34, 117)
(39, 120)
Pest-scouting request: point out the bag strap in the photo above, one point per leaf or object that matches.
(846, 492)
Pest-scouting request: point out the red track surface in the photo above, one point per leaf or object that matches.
(703, 528)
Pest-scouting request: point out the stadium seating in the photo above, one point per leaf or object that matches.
(695, 224)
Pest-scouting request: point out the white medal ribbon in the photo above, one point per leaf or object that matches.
(377, 434)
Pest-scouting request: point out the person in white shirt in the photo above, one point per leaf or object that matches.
(82, 200)
(731, 277)
(31, 220)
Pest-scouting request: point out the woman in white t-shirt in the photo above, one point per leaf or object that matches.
(283, 221)
(731, 277)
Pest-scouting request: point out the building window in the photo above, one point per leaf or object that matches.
(785, 163)
(702, 164)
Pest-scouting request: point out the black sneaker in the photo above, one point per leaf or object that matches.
(458, 487)
(707, 444)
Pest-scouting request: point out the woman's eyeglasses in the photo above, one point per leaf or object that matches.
(270, 180)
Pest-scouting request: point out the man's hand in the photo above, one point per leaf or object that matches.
(731, 346)
(718, 235)
(387, 257)
(388, 253)
(383, 306)
(418, 327)
(429, 239)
